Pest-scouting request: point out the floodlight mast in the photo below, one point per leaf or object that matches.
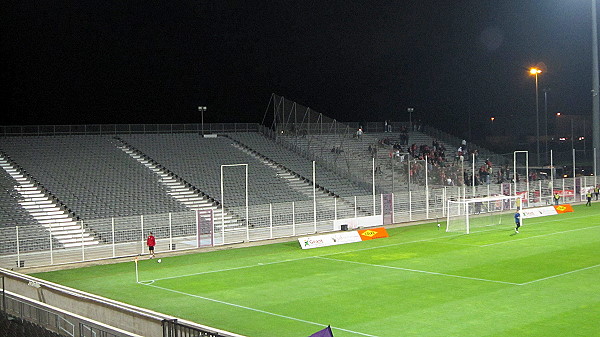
(536, 72)
(202, 110)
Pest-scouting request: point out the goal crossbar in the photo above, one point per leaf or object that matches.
(466, 214)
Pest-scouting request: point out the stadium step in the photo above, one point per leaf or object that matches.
(181, 192)
(56, 221)
(199, 200)
(196, 207)
(36, 204)
(55, 228)
(34, 200)
(50, 217)
(79, 244)
(45, 212)
(61, 234)
(72, 235)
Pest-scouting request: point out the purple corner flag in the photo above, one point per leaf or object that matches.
(323, 333)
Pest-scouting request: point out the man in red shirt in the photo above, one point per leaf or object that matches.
(151, 242)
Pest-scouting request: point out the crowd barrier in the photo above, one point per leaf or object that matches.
(23, 246)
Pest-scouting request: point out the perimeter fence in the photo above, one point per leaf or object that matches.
(117, 129)
(27, 246)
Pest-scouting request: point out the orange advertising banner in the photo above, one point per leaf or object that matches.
(566, 208)
(373, 233)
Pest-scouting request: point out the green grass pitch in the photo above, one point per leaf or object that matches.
(421, 281)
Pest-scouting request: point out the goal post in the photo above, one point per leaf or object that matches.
(467, 215)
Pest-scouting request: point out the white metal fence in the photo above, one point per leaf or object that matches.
(29, 246)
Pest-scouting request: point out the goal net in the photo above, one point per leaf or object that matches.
(468, 215)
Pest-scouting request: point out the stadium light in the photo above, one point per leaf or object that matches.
(202, 110)
(536, 72)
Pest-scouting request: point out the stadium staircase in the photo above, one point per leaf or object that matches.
(179, 189)
(296, 181)
(46, 209)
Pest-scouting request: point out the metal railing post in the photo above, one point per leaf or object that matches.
(51, 250)
(142, 231)
(113, 236)
(171, 230)
(82, 245)
(271, 219)
(293, 218)
(410, 205)
(18, 247)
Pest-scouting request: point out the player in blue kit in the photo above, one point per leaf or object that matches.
(517, 221)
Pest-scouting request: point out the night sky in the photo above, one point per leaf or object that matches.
(74, 62)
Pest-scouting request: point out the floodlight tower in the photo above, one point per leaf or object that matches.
(536, 72)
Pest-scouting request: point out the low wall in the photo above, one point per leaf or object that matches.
(116, 314)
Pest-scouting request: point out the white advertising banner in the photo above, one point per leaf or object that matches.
(584, 191)
(538, 212)
(363, 221)
(329, 239)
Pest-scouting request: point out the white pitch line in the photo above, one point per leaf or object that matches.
(420, 271)
(292, 260)
(558, 275)
(257, 310)
(146, 282)
(539, 236)
(233, 268)
(454, 243)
